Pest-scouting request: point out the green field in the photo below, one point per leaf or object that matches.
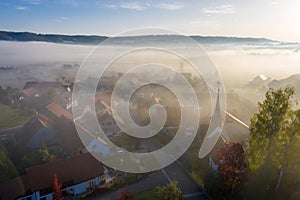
(11, 117)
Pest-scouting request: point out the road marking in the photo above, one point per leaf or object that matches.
(236, 119)
(166, 175)
(196, 194)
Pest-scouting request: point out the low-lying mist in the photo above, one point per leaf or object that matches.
(237, 64)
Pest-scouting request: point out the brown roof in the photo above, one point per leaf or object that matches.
(42, 88)
(27, 131)
(59, 111)
(36, 84)
(30, 84)
(105, 97)
(69, 138)
(74, 169)
(30, 91)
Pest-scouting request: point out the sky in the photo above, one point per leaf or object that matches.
(274, 19)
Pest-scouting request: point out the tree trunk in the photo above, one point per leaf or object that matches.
(279, 180)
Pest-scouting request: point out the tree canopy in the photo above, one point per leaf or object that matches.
(170, 191)
(232, 166)
(267, 126)
(7, 168)
(274, 141)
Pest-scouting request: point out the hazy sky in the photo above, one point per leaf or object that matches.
(275, 19)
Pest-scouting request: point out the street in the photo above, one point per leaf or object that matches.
(189, 188)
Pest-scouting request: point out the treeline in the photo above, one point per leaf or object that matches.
(129, 40)
(55, 38)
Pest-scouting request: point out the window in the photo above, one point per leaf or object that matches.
(92, 184)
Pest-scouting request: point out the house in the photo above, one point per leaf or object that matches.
(78, 175)
(40, 93)
(44, 86)
(57, 134)
(32, 134)
(57, 110)
(69, 139)
(102, 103)
(107, 83)
(30, 92)
(39, 130)
(44, 135)
(8, 135)
(109, 125)
(95, 146)
(234, 130)
(104, 114)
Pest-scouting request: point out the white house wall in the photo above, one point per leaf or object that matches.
(78, 189)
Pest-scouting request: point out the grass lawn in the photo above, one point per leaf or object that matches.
(145, 195)
(11, 117)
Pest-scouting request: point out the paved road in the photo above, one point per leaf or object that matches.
(190, 190)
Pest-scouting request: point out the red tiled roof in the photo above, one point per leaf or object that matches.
(74, 169)
(59, 111)
(30, 91)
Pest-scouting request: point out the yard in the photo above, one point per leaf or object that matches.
(11, 117)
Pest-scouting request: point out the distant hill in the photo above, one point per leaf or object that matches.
(232, 40)
(55, 38)
(264, 82)
(94, 39)
(260, 84)
(259, 81)
(256, 89)
(291, 81)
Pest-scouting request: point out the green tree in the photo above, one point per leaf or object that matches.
(7, 168)
(275, 141)
(286, 155)
(170, 191)
(5, 96)
(267, 124)
(44, 153)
